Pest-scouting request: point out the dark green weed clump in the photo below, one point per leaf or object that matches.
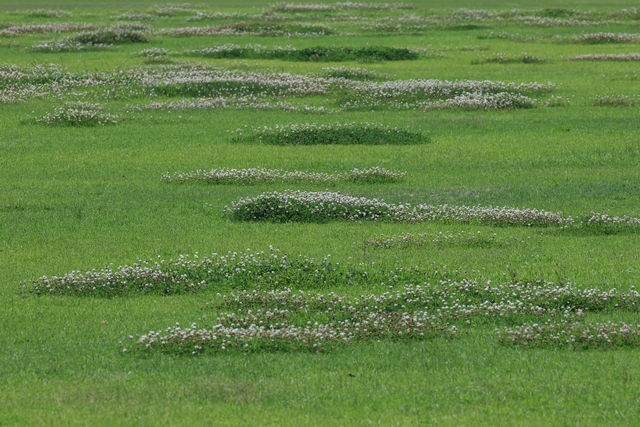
(334, 133)
(349, 73)
(317, 54)
(110, 36)
(339, 54)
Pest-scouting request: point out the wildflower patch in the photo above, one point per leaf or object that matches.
(78, 114)
(300, 206)
(252, 176)
(287, 320)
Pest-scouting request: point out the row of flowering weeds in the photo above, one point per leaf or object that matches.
(254, 176)
(15, 30)
(232, 102)
(265, 28)
(324, 206)
(215, 84)
(78, 114)
(322, 7)
(607, 57)
(605, 38)
(363, 133)
(231, 271)
(300, 206)
(574, 335)
(437, 94)
(286, 320)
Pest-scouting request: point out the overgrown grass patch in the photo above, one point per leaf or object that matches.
(332, 133)
(499, 58)
(614, 101)
(318, 54)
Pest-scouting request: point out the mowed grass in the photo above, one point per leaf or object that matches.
(81, 198)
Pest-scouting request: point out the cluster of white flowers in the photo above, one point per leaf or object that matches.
(230, 49)
(269, 320)
(603, 38)
(232, 102)
(323, 7)
(231, 82)
(47, 13)
(202, 16)
(537, 21)
(465, 94)
(67, 45)
(134, 16)
(443, 89)
(242, 29)
(261, 175)
(279, 336)
(153, 53)
(607, 57)
(78, 114)
(599, 220)
(503, 35)
(325, 206)
(575, 335)
(193, 273)
(476, 101)
(52, 27)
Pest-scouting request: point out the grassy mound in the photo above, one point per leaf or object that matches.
(335, 133)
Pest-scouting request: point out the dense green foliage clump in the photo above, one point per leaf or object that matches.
(333, 133)
(318, 54)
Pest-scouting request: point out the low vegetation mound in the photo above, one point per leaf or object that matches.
(319, 53)
(287, 320)
(607, 57)
(605, 38)
(324, 206)
(334, 133)
(78, 114)
(252, 176)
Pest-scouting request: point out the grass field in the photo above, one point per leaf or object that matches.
(525, 315)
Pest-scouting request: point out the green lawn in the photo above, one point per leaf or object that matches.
(79, 198)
